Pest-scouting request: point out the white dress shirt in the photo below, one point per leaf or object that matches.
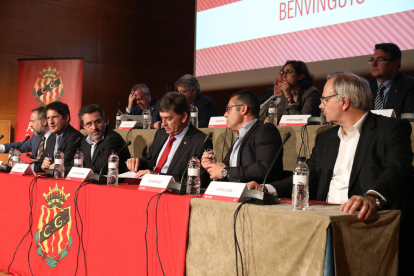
(236, 148)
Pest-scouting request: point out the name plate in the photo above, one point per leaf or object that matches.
(22, 169)
(385, 112)
(155, 183)
(127, 125)
(219, 121)
(225, 191)
(294, 120)
(1, 163)
(79, 174)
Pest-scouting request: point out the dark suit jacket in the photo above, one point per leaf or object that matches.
(31, 145)
(155, 113)
(266, 94)
(112, 141)
(67, 144)
(206, 109)
(400, 95)
(256, 153)
(191, 143)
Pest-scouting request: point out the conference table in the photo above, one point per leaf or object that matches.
(190, 236)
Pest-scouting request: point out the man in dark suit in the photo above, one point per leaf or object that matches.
(390, 88)
(38, 124)
(252, 154)
(63, 136)
(174, 143)
(365, 163)
(100, 141)
(189, 86)
(270, 94)
(141, 94)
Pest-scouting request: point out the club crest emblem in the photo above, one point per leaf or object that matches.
(53, 238)
(49, 88)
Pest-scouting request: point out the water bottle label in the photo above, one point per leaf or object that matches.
(300, 179)
(146, 117)
(16, 158)
(272, 110)
(59, 161)
(78, 161)
(193, 172)
(194, 114)
(112, 165)
(118, 118)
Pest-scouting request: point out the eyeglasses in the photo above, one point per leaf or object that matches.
(288, 72)
(228, 108)
(97, 123)
(379, 60)
(183, 92)
(324, 100)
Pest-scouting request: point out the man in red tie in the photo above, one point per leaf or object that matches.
(174, 143)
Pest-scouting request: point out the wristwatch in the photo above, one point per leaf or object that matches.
(224, 172)
(378, 200)
(291, 100)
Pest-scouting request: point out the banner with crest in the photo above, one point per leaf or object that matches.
(42, 81)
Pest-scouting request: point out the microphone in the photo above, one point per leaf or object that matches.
(24, 141)
(260, 197)
(96, 178)
(200, 149)
(1, 136)
(114, 111)
(50, 172)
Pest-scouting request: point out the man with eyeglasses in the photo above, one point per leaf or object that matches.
(250, 157)
(364, 163)
(141, 94)
(390, 88)
(63, 137)
(190, 87)
(100, 141)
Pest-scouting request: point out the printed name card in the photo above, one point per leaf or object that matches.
(155, 183)
(219, 121)
(79, 174)
(22, 169)
(1, 163)
(294, 120)
(225, 191)
(385, 112)
(127, 125)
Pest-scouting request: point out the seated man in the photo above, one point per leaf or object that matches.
(173, 144)
(189, 86)
(270, 94)
(35, 145)
(100, 141)
(142, 95)
(390, 88)
(63, 136)
(365, 163)
(252, 154)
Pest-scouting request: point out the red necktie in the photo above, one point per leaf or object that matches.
(164, 155)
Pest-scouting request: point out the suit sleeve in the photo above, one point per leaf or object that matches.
(24, 147)
(267, 142)
(408, 106)
(310, 104)
(144, 162)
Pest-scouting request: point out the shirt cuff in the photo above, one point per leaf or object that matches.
(383, 198)
(2, 149)
(128, 110)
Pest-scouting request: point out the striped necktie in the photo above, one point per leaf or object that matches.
(41, 146)
(379, 100)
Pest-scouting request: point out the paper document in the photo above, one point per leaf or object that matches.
(129, 174)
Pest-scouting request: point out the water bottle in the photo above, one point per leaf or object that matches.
(9, 159)
(78, 159)
(194, 116)
(193, 176)
(147, 119)
(273, 113)
(118, 118)
(59, 170)
(300, 190)
(113, 163)
(15, 157)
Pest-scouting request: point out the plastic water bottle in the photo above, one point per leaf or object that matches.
(273, 113)
(147, 119)
(193, 176)
(113, 163)
(78, 159)
(300, 190)
(15, 157)
(118, 118)
(9, 159)
(194, 116)
(59, 170)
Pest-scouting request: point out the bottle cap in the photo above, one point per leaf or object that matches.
(301, 158)
(59, 149)
(193, 155)
(112, 151)
(77, 149)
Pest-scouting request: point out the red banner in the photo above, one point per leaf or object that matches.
(45, 81)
